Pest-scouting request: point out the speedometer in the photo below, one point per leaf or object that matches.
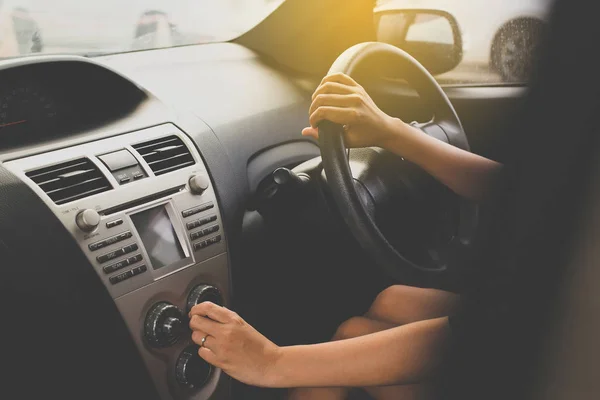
(25, 106)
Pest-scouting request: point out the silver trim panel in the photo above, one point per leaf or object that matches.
(135, 295)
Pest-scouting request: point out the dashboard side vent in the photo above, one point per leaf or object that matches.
(165, 154)
(70, 181)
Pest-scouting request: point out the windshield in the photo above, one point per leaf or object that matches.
(112, 26)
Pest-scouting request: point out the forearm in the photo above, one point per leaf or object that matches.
(467, 174)
(401, 355)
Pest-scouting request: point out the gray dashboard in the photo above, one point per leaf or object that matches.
(249, 105)
(238, 117)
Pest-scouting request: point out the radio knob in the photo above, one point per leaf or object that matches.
(202, 293)
(164, 325)
(191, 370)
(88, 220)
(199, 183)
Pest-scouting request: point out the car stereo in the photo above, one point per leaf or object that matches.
(142, 208)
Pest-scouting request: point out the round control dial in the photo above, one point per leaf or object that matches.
(191, 370)
(202, 293)
(88, 220)
(164, 325)
(199, 183)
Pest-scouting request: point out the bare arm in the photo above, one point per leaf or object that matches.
(467, 174)
(343, 101)
(400, 355)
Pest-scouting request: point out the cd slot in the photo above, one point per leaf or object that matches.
(142, 201)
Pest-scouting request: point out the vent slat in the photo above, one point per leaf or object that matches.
(165, 155)
(154, 143)
(51, 192)
(70, 181)
(42, 172)
(168, 159)
(169, 169)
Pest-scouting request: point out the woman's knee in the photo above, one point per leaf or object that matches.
(401, 304)
(388, 303)
(359, 326)
(353, 327)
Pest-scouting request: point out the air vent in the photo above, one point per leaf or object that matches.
(165, 155)
(70, 181)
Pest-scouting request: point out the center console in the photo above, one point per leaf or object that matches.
(142, 209)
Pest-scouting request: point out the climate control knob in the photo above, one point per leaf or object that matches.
(202, 293)
(191, 370)
(164, 325)
(88, 220)
(199, 183)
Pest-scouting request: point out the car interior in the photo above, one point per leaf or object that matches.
(136, 185)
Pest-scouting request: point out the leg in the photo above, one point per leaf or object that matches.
(396, 305)
(357, 326)
(399, 305)
(410, 392)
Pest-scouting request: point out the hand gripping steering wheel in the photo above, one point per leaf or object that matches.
(357, 61)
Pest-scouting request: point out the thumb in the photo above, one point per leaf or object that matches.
(312, 132)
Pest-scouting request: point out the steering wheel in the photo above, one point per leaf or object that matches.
(445, 125)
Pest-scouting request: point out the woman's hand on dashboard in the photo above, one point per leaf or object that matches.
(228, 342)
(341, 100)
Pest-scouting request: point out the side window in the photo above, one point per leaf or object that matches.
(499, 40)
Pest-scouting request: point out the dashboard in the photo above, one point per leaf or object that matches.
(120, 207)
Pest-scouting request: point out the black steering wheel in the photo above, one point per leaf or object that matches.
(445, 125)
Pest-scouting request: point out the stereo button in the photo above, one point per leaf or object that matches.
(121, 277)
(110, 241)
(112, 224)
(110, 256)
(197, 210)
(130, 249)
(139, 270)
(96, 246)
(134, 259)
(124, 235)
(190, 212)
(193, 225)
(206, 206)
(115, 267)
(200, 245)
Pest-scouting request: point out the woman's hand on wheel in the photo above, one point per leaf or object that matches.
(232, 344)
(341, 100)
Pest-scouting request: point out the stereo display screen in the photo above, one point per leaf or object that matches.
(158, 235)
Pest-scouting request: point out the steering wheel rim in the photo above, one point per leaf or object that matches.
(341, 181)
